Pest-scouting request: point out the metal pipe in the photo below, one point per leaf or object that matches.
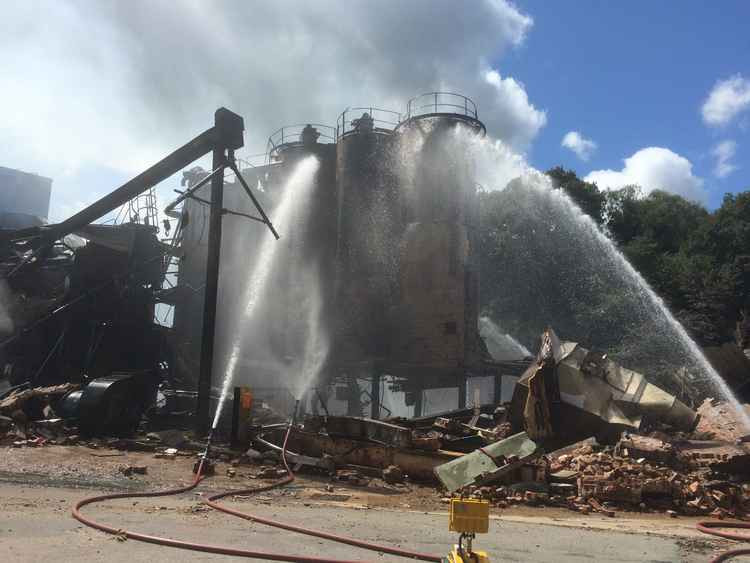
(245, 215)
(23, 262)
(169, 209)
(322, 402)
(250, 194)
(51, 352)
(193, 197)
(375, 397)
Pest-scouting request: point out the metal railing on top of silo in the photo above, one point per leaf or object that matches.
(252, 160)
(441, 102)
(353, 119)
(290, 135)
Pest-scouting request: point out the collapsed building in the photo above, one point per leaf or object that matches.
(80, 298)
(389, 239)
(567, 395)
(581, 432)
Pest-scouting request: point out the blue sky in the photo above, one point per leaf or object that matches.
(634, 74)
(97, 90)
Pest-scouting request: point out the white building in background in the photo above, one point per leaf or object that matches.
(24, 198)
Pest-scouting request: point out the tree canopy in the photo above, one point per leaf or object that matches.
(537, 269)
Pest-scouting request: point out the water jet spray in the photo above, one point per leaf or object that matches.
(557, 222)
(294, 197)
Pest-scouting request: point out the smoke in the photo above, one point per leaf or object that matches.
(295, 61)
(124, 83)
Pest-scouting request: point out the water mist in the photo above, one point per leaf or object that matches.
(501, 345)
(597, 266)
(315, 344)
(295, 196)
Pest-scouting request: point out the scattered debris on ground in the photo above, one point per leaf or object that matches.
(612, 449)
(606, 479)
(133, 470)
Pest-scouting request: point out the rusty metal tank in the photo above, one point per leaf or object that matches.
(369, 226)
(438, 291)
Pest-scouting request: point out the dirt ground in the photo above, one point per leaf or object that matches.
(42, 483)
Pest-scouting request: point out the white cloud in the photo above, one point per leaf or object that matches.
(654, 168)
(576, 142)
(727, 99)
(512, 117)
(115, 85)
(724, 153)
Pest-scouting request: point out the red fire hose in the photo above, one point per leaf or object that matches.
(211, 501)
(229, 550)
(707, 527)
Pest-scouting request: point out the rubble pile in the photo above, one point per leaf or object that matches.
(28, 417)
(640, 473)
(31, 418)
(626, 444)
(718, 422)
(453, 434)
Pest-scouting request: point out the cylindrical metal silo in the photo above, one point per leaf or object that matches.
(369, 226)
(437, 332)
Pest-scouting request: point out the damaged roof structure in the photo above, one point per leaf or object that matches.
(568, 395)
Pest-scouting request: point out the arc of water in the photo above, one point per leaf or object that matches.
(494, 157)
(295, 193)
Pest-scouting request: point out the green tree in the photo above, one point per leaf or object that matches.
(586, 195)
(698, 262)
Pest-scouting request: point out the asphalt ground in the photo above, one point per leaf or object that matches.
(36, 525)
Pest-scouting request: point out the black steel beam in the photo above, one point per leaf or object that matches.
(375, 397)
(184, 194)
(162, 170)
(210, 294)
(257, 205)
(226, 132)
(418, 400)
(462, 392)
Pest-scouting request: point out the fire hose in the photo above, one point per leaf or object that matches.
(223, 550)
(707, 527)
